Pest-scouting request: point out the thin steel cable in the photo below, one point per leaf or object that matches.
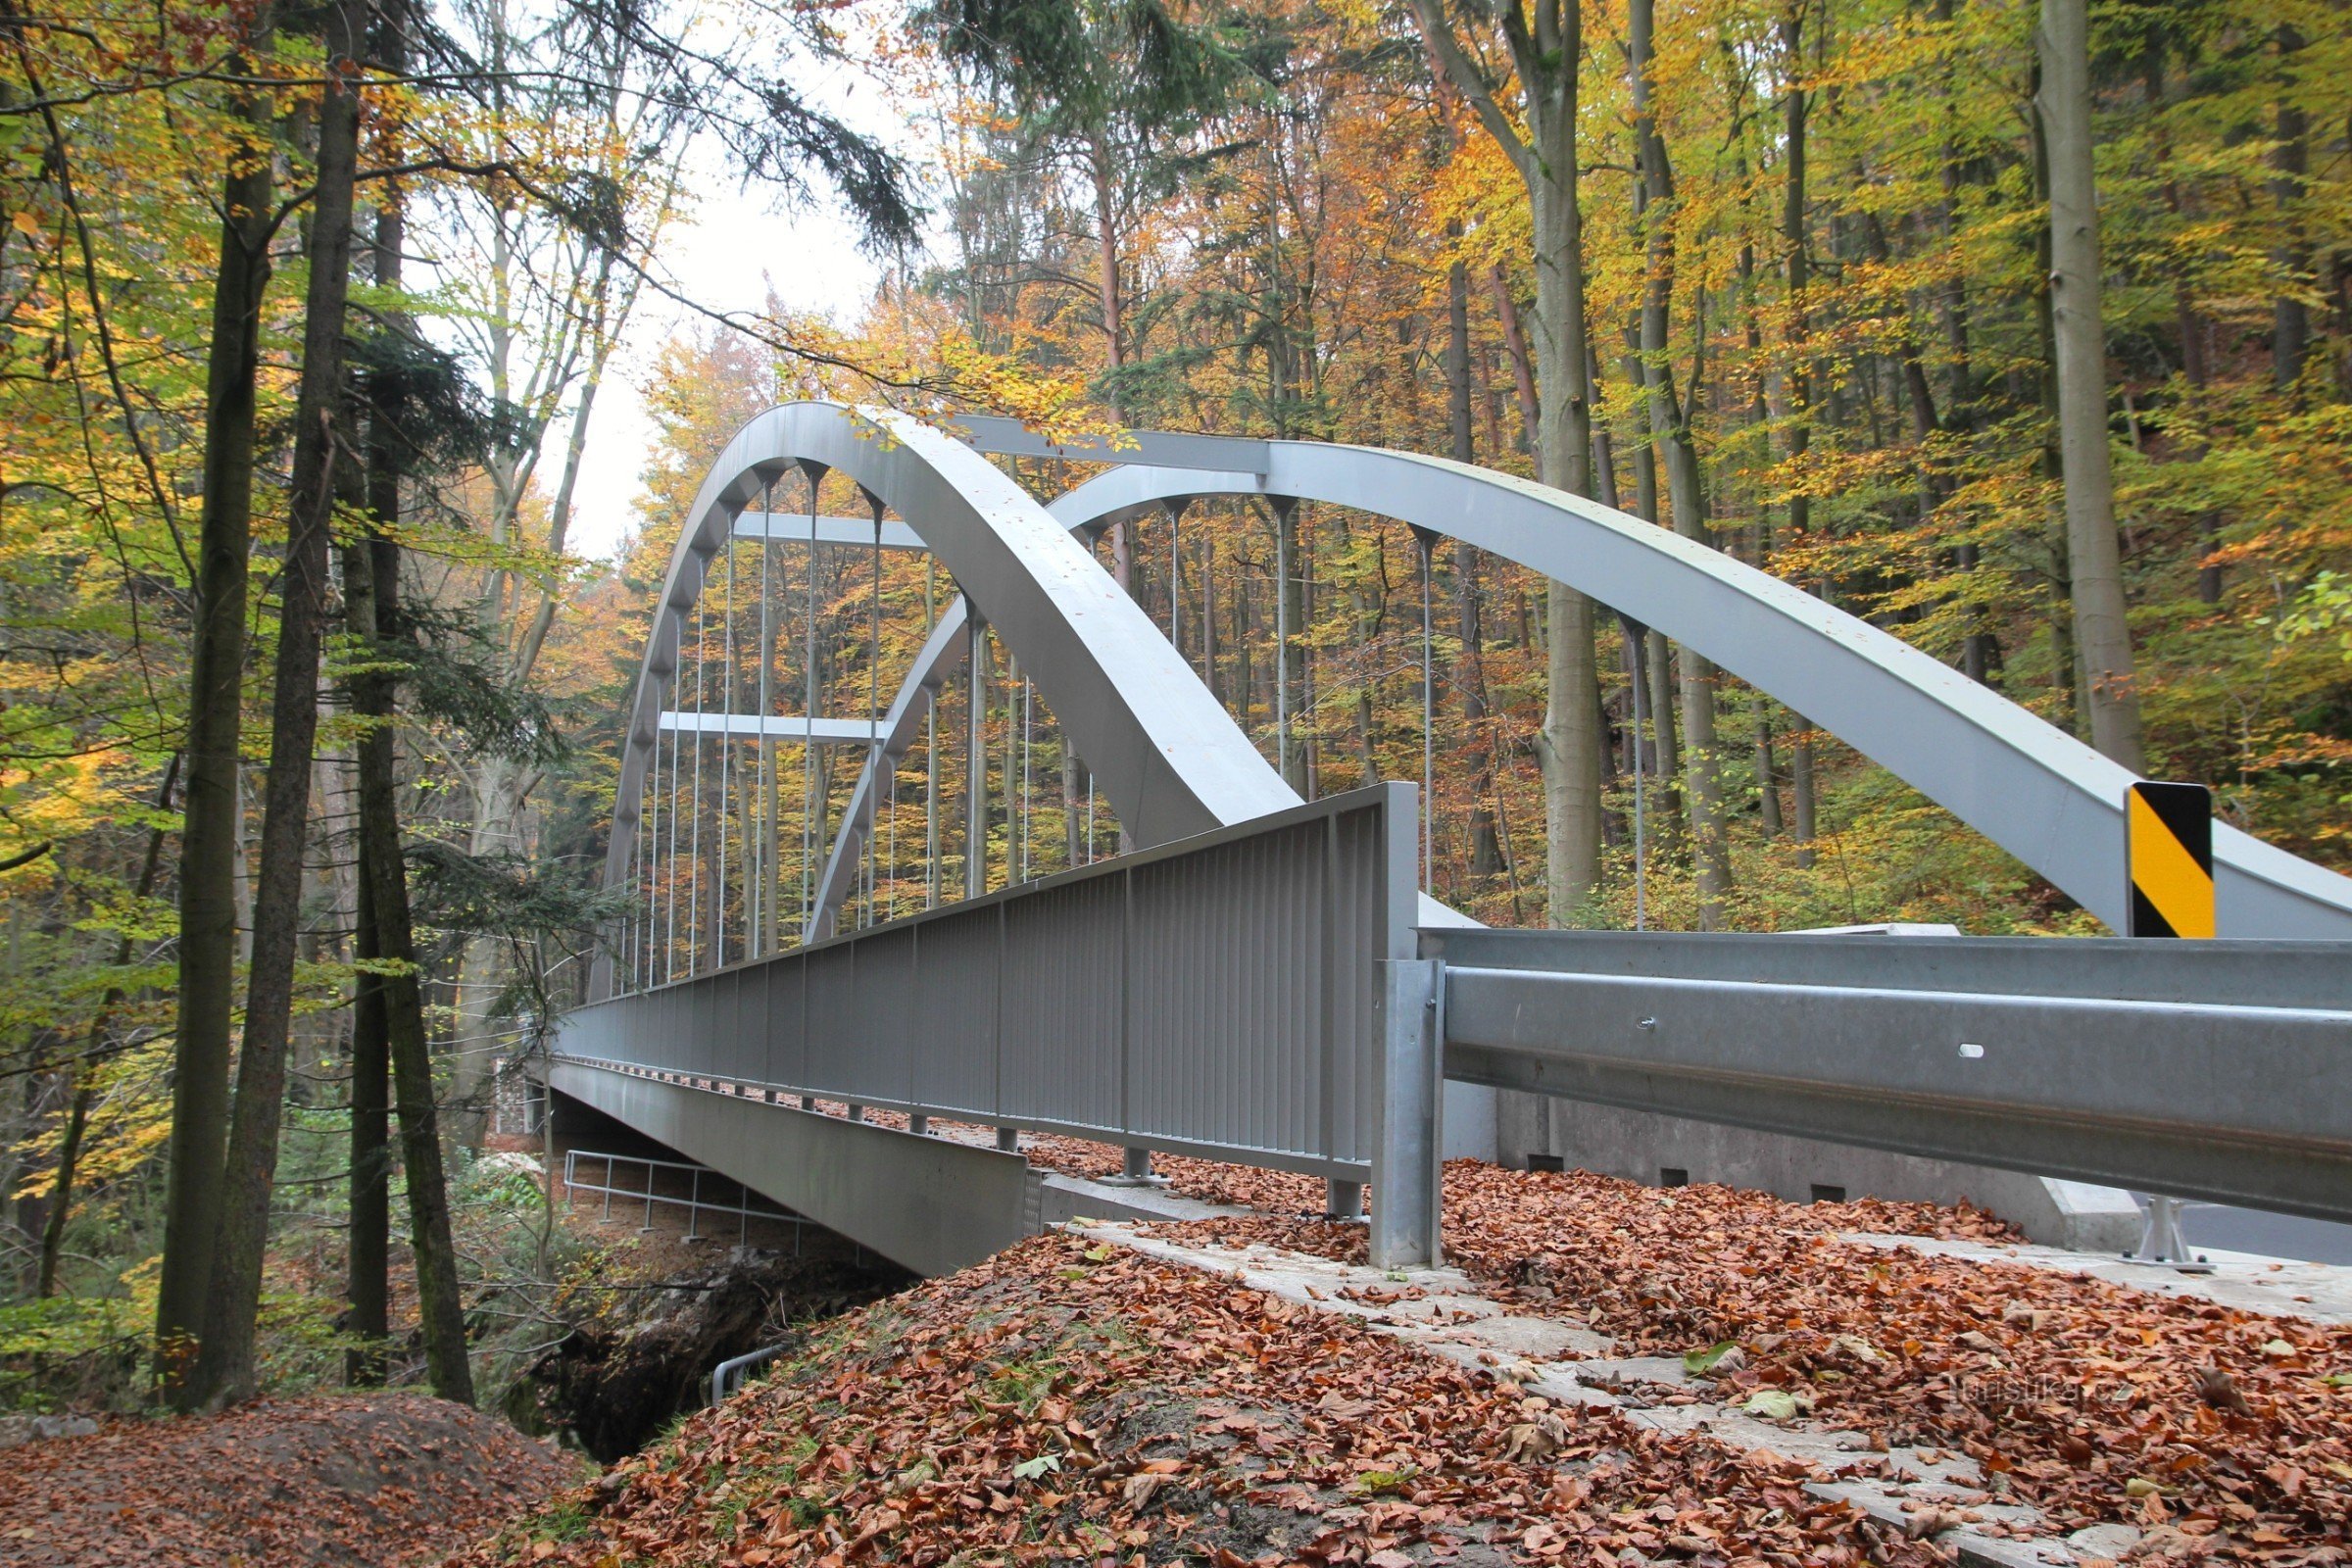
(1028, 715)
(1635, 639)
(693, 919)
(930, 747)
(1175, 585)
(1012, 772)
(1282, 645)
(669, 939)
(727, 763)
(764, 915)
(1429, 755)
(808, 742)
(873, 721)
(975, 759)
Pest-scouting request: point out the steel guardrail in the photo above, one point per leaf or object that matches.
(2220, 1070)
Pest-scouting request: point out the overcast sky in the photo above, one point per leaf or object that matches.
(726, 262)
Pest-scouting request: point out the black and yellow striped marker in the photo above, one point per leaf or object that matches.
(2169, 833)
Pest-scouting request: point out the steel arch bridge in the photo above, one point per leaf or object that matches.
(1177, 769)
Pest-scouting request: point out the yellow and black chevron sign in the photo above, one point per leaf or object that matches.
(2170, 834)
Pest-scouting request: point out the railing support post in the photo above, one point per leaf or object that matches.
(1342, 1201)
(1008, 1140)
(1405, 1168)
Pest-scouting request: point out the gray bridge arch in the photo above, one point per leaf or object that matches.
(1173, 764)
(2204, 1069)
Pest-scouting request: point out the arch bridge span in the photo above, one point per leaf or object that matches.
(1175, 767)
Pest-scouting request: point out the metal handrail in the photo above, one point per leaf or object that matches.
(729, 1375)
(694, 1203)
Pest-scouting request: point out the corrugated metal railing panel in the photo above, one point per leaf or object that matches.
(1223, 1016)
(836, 1048)
(886, 1003)
(953, 1033)
(1217, 996)
(1365, 920)
(1059, 1050)
(784, 1026)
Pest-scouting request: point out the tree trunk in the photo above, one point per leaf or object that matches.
(387, 887)
(1571, 741)
(225, 1368)
(1547, 60)
(77, 1116)
(211, 830)
(2094, 557)
(1795, 236)
(1114, 331)
(1670, 433)
(368, 1247)
(2290, 161)
(1486, 850)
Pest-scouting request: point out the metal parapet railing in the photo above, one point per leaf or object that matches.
(694, 1204)
(1218, 996)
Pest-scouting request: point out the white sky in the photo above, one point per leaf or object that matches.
(726, 262)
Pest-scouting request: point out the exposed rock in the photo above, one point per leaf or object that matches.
(639, 1356)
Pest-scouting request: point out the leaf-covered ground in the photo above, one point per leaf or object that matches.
(366, 1479)
(1478, 1185)
(1075, 1401)
(2216, 1429)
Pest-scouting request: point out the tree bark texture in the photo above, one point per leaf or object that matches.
(210, 828)
(224, 1367)
(1669, 419)
(2102, 633)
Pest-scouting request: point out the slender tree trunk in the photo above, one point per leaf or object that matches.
(368, 1247)
(1523, 371)
(1486, 851)
(1795, 236)
(78, 1115)
(225, 1368)
(1670, 431)
(2290, 162)
(386, 888)
(1572, 740)
(211, 830)
(367, 1253)
(1114, 331)
(2094, 555)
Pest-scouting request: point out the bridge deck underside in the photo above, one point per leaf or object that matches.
(930, 1204)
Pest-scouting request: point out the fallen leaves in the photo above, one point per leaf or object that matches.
(380, 1479)
(1187, 1420)
(2057, 1386)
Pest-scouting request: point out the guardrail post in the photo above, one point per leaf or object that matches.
(1405, 1170)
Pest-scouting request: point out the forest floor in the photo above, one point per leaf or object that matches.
(1609, 1373)
(380, 1479)
(1605, 1374)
